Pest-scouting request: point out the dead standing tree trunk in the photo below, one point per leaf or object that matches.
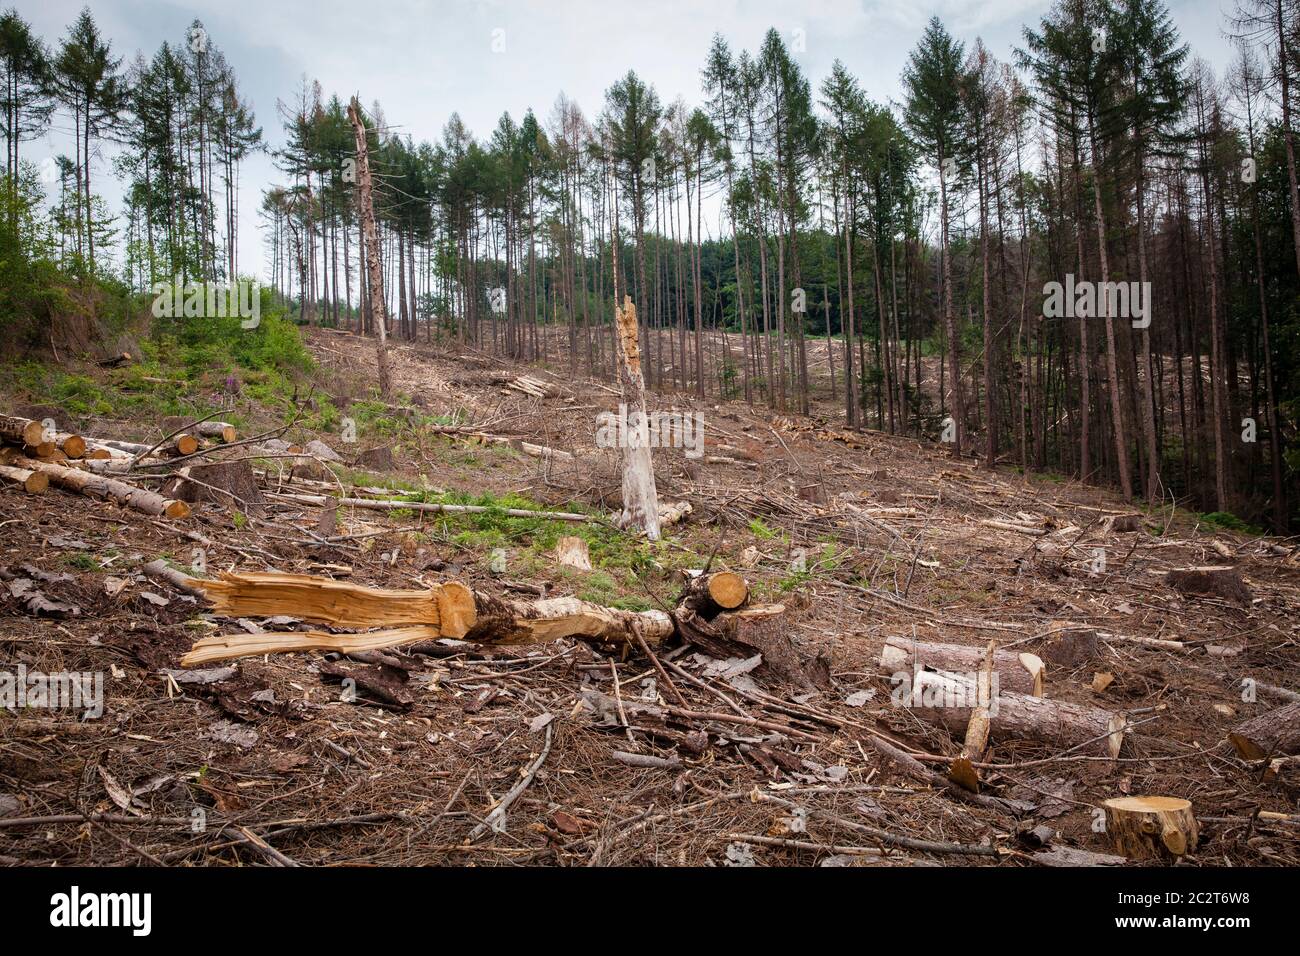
(376, 274)
(640, 499)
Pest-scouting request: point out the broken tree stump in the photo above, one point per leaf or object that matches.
(754, 630)
(230, 484)
(1271, 734)
(640, 498)
(1213, 581)
(1151, 828)
(1023, 673)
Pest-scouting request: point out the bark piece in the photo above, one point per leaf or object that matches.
(1151, 828)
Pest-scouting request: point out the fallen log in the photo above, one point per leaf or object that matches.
(949, 701)
(33, 482)
(222, 431)
(382, 504)
(1151, 828)
(443, 610)
(1272, 734)
(99, 486)
(1022, 673)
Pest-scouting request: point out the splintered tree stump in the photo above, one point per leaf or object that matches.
(754, 630)
(710, 594)
(1151, 828)
(1213, 581)
(1023, 673)
(1274, 733)
(411, 617)
(230, 484)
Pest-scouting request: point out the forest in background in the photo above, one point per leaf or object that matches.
(915, 238)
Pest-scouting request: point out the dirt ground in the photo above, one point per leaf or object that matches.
(861, 536)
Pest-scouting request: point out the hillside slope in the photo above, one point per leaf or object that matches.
(861, 536)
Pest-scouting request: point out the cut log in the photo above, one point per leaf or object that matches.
(380, 504)
(443, 610)
(709, 594)
(160, 570)
(1214, 581)
(949, 700)
(221, 431)
(179, 446)
(42, 449)
(100, 486)
(1274, 733)
(1022, 673)
(1151, 828)
(74, 446)
(21, 431)
(542, 451)
(33, 482)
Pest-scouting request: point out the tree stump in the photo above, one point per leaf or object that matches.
(230, 484)
(1270, 734)
(1213, 581)
(1151, 828)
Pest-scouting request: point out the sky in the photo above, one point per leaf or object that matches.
(423, 59)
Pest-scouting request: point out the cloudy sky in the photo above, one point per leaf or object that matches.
(423, 59)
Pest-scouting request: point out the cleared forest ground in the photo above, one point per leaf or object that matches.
(861, 536)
